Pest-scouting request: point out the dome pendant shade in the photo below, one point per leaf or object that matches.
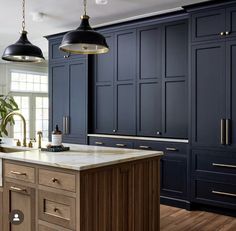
(23, 51)
(84, 40)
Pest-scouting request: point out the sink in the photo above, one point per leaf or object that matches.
(11, 150)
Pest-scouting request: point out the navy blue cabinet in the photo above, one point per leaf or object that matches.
(219, 23)
(68, 99)
(115, 73)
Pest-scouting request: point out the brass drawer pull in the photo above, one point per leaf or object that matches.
(144, 147)
(222, 33)
(224, 193)
(18, 189)
(227, 32)
(55, 180)
(18, 173)
(99, 143)
(224, 165)
(172, 149)
(120, 145)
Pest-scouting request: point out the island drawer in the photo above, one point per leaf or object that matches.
(58, 180)
(57, 209)
(19, 172)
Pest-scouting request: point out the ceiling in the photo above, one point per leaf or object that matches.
(64, 15)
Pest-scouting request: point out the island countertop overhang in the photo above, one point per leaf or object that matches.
(81, 157)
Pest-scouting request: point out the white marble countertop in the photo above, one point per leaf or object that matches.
(80, 157)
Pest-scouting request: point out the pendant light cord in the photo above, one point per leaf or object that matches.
(85, 5)
(23, 15)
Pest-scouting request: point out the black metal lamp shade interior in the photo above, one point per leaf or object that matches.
(23, 51)
(84, 40)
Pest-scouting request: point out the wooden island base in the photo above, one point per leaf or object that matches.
(120, 197)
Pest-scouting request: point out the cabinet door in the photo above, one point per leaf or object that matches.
(149, 109)
(58, 94)
(174, 176)
(175, 77)
(18, 197)
(149, 81)
(231, 21)
(231, 91)
(77, 101)
(208, 25)
(208, 89)
(124, 85)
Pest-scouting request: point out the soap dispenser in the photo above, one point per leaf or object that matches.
(56, 137)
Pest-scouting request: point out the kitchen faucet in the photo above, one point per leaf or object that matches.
(24, 124)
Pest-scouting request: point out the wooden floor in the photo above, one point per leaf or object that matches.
(175, 219)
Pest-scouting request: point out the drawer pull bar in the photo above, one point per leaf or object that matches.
(224, 165)
(172, 149)
(18, 173)
(55, 180)
(144, 147)
(18, 189)
(222, 131)
(120, 145)
(99, 143)
(224, 193)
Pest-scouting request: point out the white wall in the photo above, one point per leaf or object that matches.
(5, 70)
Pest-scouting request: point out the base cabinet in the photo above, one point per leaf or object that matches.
(19, 197)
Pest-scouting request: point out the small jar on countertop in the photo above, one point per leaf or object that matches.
(56, 137)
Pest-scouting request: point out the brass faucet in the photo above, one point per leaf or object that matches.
(40, 134)
(24, 124)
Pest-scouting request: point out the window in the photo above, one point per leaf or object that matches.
(30, 90)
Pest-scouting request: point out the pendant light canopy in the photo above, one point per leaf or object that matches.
(84, 40)
(23, 50)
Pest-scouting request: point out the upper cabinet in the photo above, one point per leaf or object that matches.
(214, 24)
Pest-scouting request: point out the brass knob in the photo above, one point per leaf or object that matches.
(158, 133)
(227, 32)
(114, 130)
(222, 33)
(56, 210)
(54, 180)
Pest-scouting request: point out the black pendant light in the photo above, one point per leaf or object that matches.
(84, 40)
(23, 50)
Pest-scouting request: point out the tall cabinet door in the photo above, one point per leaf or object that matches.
(175, 77)
(58, 94)
(208, 89)
(149, 81)
(124, 84)
(231, 91)
(103, 84)
(77, 122)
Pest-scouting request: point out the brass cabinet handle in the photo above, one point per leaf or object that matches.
(172, 149)
(224, 165)
(54, 180)
(227, 32)
(56, 210)
(227, 132)
(222, 131)
(158, 133)
(114, 130)
(99, 143)
(144, 147)
(18, 173)
(222, 33)
(120, 145)
(223, 193)
(18, 189)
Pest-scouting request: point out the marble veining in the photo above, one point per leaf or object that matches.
(80, 157)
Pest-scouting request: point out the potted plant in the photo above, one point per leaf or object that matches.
(7, 105)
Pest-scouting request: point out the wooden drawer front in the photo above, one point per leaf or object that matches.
(214, 162)
(57, 180)
(57, 209)
(19, 172)
(215, 193)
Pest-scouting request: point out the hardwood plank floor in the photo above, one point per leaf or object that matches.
(175, 219)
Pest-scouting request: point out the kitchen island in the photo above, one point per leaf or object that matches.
(85, 189)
